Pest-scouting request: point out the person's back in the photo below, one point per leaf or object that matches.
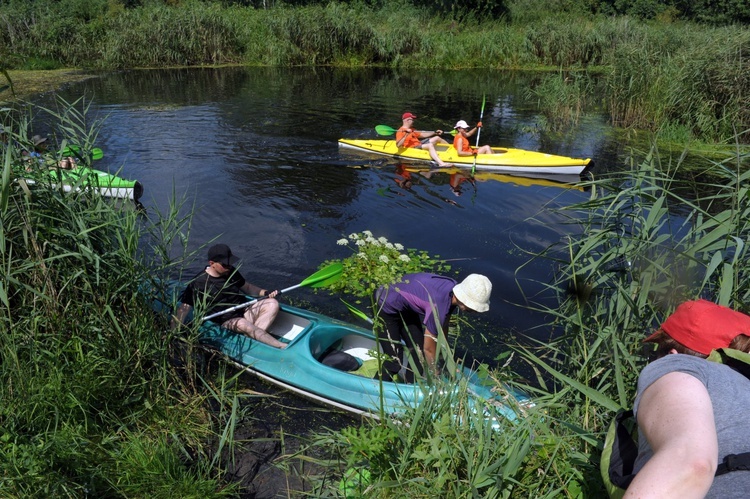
(729, 392)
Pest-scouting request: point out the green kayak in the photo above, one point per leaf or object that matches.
(85, 178)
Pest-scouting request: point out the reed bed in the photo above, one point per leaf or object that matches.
(96, 399)
(684, 80)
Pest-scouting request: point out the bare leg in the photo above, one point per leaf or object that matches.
(485, 150)
(262, 313)
(257, 319)
(433, 154)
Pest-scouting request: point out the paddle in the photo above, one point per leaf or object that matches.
(479, 131)
(356, 311)
(386, 130)
(96, 153)
(323, 277)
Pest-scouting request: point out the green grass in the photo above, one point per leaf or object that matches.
(685, 80)
(92, 403)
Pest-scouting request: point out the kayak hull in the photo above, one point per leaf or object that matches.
(300, 368)
(509, 160)
(83, 178)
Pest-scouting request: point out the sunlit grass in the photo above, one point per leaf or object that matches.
(681, 79)
(98, 397)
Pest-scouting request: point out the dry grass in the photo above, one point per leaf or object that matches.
(29, 83)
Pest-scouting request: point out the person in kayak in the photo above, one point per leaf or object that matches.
(220, 286)
(691, 411)
(408, 137)
(461, 140)
(40, 155)
(416, 309)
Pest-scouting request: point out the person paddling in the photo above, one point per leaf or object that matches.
(461, 141)
(407, 137)
(221, 286)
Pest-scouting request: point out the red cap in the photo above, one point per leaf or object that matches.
(704, 326)
(408, 115)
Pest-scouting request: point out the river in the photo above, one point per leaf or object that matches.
(254, 151)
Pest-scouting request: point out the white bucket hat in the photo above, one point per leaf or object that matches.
(461, 124)
(474, 292)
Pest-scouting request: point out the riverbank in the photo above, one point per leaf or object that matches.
(682, 80)
(28, 83)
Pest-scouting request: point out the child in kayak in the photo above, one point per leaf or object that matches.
(461, 141)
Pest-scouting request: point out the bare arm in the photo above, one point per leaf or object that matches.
(430, 349)
(676, 417)
(253, 290)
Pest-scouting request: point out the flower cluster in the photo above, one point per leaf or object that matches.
(376, 262)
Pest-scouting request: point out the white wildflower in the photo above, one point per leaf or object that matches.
(382, 240)
(398, 246)
(361, 255)
(367, 233)
(360, 242)
(342, 242)
(389, 245)
(383, 258)
(404, 258)
(354, 236)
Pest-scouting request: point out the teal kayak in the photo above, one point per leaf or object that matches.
(311, 337)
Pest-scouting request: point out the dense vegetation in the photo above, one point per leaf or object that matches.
(685, 80)
(92, 403)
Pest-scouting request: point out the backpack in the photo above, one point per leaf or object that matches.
(621, 443)
(341, 360)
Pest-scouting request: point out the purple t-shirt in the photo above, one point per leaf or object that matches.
(421, 293)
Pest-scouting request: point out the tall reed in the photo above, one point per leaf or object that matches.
(90, 401)
(647, 243)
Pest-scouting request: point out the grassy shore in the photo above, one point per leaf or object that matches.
(98, 396)
(684, 81)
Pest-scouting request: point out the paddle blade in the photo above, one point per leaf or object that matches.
(356, 311)
(76, 151)
(385, 130)
(325, 276)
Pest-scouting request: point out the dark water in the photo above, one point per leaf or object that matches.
(255, 150)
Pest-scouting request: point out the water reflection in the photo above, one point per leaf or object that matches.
(460, 181)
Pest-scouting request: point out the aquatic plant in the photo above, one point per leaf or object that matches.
(376, 262)
(649, 240)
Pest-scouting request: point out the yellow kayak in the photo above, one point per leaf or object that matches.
(506, 159)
